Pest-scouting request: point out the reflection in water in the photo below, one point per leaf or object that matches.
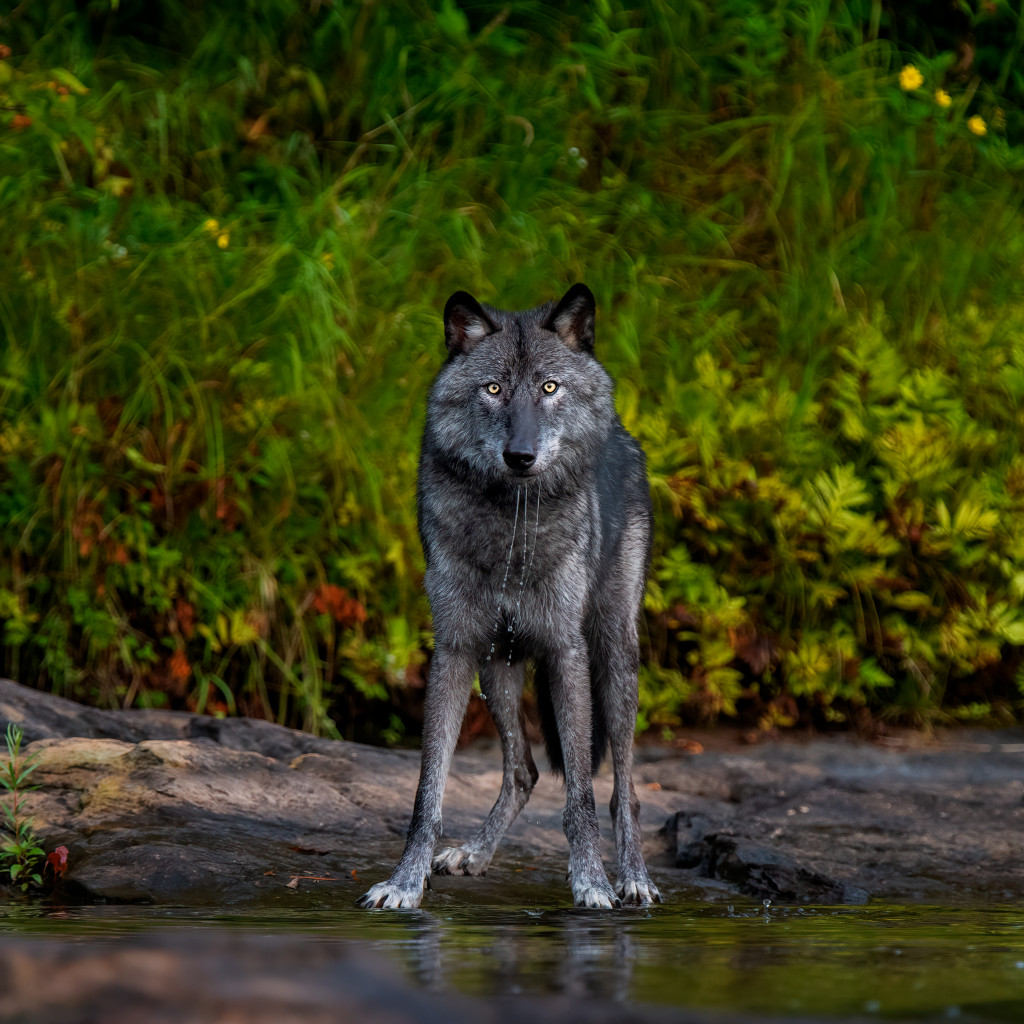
(597, 963)
(425, 961)
(573, 953)
(884, 961)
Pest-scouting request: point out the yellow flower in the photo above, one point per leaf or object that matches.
(911, 78)
(223, 239)
(942, 98)
(977, 125)
(212, 226)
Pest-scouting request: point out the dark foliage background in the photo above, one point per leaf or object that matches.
(228, 232)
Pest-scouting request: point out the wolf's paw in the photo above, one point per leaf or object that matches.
(458, 860)
(640, 892)
(390, 895)
(598, 895)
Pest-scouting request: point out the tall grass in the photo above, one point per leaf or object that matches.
(228, 234)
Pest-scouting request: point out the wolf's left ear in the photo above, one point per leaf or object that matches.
(465, 323)
(573, 318)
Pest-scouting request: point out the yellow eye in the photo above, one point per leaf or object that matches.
(550, 387)
(493, 388)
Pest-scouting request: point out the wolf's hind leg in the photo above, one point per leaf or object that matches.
(502, 687)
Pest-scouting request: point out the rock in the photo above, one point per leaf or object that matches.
(755, 869)
(690, 831)
(166, 818)
(170, 806)
(44, 716)
(828, 821)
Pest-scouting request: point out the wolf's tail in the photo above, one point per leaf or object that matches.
(549, 723)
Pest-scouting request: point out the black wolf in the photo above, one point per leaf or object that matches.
(535, 517)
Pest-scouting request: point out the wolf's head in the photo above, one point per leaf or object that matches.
(521, 394)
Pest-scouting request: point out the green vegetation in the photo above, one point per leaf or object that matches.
(22, 859)
(228, 233)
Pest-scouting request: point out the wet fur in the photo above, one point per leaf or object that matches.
(535, 517)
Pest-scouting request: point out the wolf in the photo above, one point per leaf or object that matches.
(535, 516)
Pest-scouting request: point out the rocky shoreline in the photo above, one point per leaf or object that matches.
(157, 806)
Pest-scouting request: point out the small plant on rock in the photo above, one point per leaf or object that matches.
(21, 856)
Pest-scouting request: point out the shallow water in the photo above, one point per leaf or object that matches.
(878, 961)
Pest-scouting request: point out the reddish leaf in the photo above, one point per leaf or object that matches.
(330, 599)
(57, 861)
(179, 666)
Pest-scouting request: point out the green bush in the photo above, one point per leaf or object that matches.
(229, 231)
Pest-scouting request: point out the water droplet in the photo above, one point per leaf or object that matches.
(766, 904)
(509, 734)
(483, 696)
(510, 628)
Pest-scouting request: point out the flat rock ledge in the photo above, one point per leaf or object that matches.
(158, 806)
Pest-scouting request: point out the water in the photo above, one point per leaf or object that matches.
(873, 962)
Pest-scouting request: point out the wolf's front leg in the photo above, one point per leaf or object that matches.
(570, 696)
(451, 676)
(618, 693)
(502, 687)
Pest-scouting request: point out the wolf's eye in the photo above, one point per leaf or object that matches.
(550, 387)
(493, 388)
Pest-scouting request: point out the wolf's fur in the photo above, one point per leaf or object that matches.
(535, 517)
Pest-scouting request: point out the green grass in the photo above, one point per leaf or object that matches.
(229, 233)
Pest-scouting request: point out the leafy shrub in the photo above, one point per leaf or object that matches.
(230, 229)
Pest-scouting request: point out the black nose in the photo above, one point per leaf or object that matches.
(518, 459)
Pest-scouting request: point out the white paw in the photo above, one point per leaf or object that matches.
(640, 892)
(391, 896)
(458, 860)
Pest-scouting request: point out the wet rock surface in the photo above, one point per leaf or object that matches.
(939, 820)
(157, 806)
(755, 869)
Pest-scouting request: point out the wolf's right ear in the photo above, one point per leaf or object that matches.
(465, 323)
